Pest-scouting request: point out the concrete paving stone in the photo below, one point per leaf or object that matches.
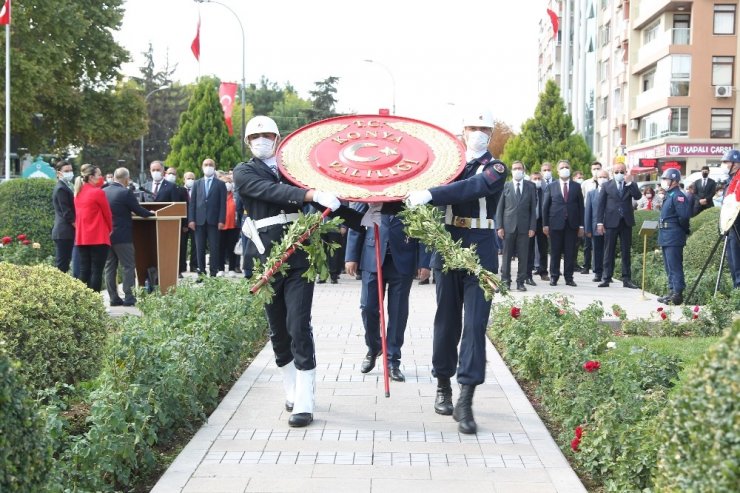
(238, 445)
(431, 485)
(565, 480)
(317, 485)
(320, 446)
(216, 485)
(524, 488)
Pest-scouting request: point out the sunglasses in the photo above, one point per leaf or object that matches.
(619, 172)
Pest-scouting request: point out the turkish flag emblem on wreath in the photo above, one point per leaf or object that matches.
(5, 13)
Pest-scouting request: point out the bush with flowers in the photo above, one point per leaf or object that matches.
(22, 250)
(606, 399)
(26, 209)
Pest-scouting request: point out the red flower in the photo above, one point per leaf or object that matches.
(26, 242)
(575, 443)
(696, 308)
(515, 311)
(694, 317)
(21, 237)
(663, 315)
(561, 312)
(579, 432)
(660, 308)
(591, 366)
(7, 239)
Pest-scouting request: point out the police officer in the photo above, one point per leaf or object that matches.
(672, 231)
(471, 207)
(272, 204)
(731, 162)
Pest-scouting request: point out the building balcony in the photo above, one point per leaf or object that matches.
(649, 10)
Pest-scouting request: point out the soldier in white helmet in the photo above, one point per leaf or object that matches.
(271, 204)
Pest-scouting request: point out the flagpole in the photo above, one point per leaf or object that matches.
(7, 101)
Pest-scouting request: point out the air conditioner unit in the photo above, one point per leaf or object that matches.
(722, 91)
(634, 124)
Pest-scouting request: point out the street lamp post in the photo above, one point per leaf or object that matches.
(244, 54)
(393, 80)
(142, 175)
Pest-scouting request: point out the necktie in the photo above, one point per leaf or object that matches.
(208, 186)
(619, 187)
(704, 184)
(156, 187)
(565, 191)
(518, 191)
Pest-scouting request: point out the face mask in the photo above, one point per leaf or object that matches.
(518, 174)
(650, 195)
(578, 180)
(547, 175)
(477, 141)
(68, 176)
(156, 175)
(189, 183)
(170, 178)
(109, 180)
(665, 184)
(229, 187)
(262, 147)
(705, 174)
(99, 182)
(595, 171)
(537, 183)
(602, 181)
(208, 171)
(564, 172)
(619, 178)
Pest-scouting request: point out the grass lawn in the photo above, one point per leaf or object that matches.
(686, 349)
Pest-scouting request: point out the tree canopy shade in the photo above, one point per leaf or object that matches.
(548, 136)
(65, 75)
(202, 133)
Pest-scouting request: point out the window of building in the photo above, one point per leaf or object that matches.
(680, 75)
(604, 107)
(650, 33)
(681, 29)
(648, 80)
(679, 118)
(724, 19)
(603, 70)
(604, 35)
(722, 69)
(721, 123)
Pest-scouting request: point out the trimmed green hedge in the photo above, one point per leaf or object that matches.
(27, 209)
(54, 325)
(25, 452)
(637, 241)
(700, 427)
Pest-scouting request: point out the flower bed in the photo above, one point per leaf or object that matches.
(609, 405)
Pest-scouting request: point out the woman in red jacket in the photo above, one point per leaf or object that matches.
(94, 225)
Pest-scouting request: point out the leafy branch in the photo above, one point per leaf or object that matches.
(425, 224)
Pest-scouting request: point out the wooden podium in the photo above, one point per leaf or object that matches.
(157, 242)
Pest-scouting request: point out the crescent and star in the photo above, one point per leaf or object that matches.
(350, 152)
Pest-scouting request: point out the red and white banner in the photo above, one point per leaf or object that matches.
(195, 45)
(554, 20)
(226, 95)
(5, 13)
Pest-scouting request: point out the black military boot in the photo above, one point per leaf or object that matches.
(463, 413)
(676, 298)
(665, 299)
(443, 402)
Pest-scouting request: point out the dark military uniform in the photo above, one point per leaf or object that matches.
(474, 196)
(673, 229)
(733, 241)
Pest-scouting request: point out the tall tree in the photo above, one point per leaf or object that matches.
(290, 113)
(203, 133)
(548, 136)
(264, 97)
(323, 100)
(65, 64)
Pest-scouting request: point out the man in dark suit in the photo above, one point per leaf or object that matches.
(63, 232)
(400, 256)
(590, 223)
(537, 259)
(562, 212)
(189, 180)
(615, 218)
(516, 218)
(122, 203)
(705, 188)
(207, 215)
(159, 189)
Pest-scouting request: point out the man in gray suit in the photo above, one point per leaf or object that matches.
(207, 216)
(516, 218)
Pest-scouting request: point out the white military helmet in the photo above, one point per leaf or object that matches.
(478, 119)
(261, 124)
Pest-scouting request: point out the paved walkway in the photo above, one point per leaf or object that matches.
(361, 441)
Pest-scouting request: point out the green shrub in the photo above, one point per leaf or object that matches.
(27, 209)
(704, 217)
(25, 454)
(699, 426)
(699, 246)
(637, 241)
(52, 323)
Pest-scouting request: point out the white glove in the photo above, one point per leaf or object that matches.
(373, 215)
(327, 199)
(418, 197)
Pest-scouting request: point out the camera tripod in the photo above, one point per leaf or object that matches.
(723, 238)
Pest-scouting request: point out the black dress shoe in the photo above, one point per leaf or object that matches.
(508, 285)
(584, 271)
(369, 362)
(544, 277)
(629, 284)
(118, 302)
(396, 375)
(553, 282)
(530, 282)
(520, 286)
(300, 420)
(321, 281)
(131, 302)
(334, 281)
(571, 283)
(596, 279)
(676, 299)
(605, 283)
(424, 282)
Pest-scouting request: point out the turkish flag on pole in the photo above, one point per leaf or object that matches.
(226, 94)
(5, 13)
(554, 20)
(195, 45)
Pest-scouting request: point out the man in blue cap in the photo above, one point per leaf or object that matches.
(672, 231)
(731, 161)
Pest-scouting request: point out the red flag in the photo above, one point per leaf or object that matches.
(226, 94)
(195, 45)
(554, 20)
(5, 13)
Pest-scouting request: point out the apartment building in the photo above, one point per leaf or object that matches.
(663, 87)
